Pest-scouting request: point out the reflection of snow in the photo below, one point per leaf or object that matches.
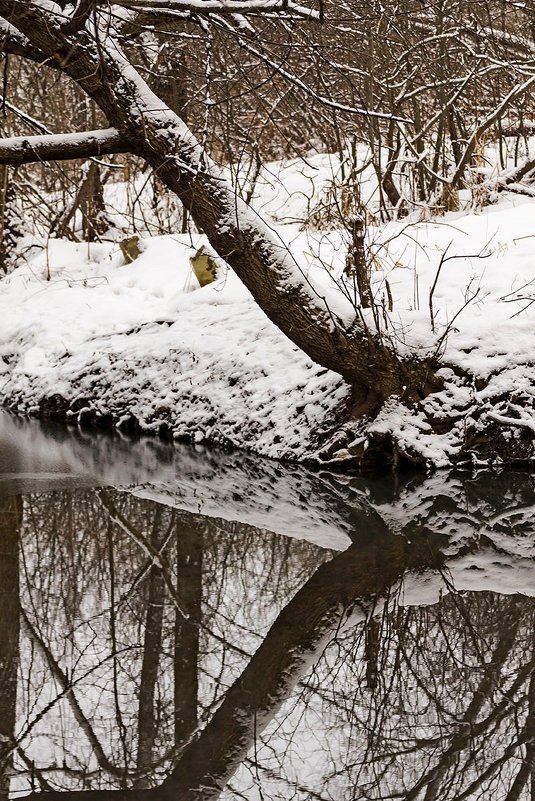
(388, 706)
(233, 486)
(381, 705)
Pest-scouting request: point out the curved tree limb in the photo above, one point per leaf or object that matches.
(258, 256)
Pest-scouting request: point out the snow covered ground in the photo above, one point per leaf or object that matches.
(143, 340)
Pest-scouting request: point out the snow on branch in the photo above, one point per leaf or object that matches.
(15, 43)
(29, 120)
(222, 6)
(514, 94)
(19, 150)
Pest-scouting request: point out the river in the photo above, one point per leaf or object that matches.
(184, 623)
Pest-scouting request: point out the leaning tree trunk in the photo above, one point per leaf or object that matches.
(256, 254)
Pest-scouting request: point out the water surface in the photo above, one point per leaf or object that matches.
(178, 623)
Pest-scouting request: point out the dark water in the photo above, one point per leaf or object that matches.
(184, 624)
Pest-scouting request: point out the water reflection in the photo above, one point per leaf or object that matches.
(150, 652)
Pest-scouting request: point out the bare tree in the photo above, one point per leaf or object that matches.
(420, 89)
(85, 44)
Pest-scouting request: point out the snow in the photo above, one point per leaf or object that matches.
(101, 136)
(144, 340)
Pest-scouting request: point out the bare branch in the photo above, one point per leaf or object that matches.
(325, 101)
(80, 16)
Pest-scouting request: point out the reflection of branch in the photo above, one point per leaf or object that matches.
(68, 692)
(154, 554)
(479, 729)
(157, 558)
(484, 692)
(527, 768)
(295, 640)
(299, 634)
(495, 766)
(40, 715)
(35, 773)
(293, 785)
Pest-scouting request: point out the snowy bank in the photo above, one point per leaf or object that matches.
(142, 341)
(84, 336)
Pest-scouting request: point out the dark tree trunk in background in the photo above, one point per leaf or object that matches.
(10, 222)
(89, 200)
(152, 646)
(189, 547)
(170, 83)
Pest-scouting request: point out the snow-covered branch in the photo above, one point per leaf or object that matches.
(516, 92)
(19, 150)
(15, 43)
(222, 6)
(26, 118)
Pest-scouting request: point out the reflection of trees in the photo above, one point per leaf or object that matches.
(139, 622)
(10, 522)
(447, 717)
(152, 643)
(189, 554)
(105, 626)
